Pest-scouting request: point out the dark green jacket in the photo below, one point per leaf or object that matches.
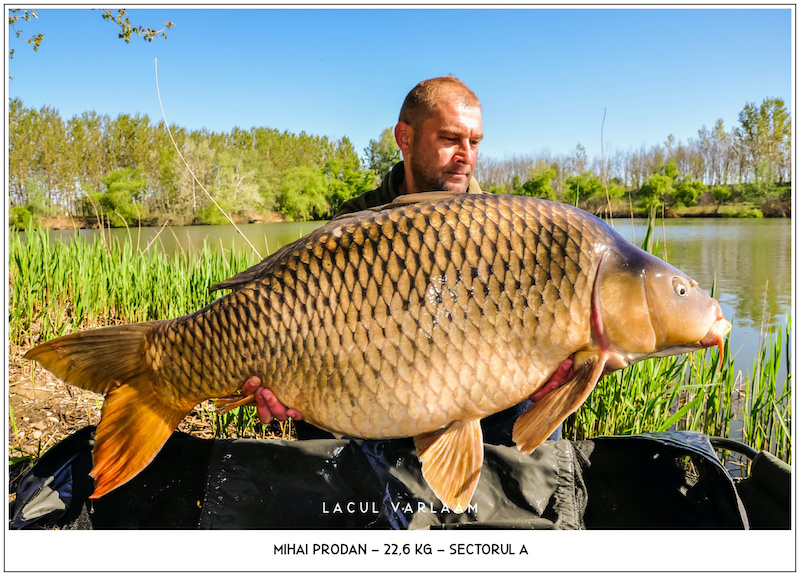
(387, 191)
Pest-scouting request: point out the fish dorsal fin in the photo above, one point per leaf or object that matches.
(451, 459)
(134, 425)
(422, 197)
(245, 277)
(541, 419)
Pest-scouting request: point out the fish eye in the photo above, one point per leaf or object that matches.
(680, 286)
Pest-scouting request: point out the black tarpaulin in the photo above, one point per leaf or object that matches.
(670, 480)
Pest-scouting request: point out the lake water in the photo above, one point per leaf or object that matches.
(751, 260)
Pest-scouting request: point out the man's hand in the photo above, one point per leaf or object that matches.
(267, 406)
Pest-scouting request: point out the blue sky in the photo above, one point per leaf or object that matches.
(544, 76)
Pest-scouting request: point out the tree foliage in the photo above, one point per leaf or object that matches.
(246, 171)
(754, 156)
(15, 15)
(61, 166)
(539, 183)
(668, 187)
(127, 29)
(383, 153)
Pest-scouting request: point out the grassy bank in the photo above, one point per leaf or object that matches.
(58, 288)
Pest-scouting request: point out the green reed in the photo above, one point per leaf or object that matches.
(692, 392)
(56, 288)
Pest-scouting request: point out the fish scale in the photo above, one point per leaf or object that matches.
(415, 319)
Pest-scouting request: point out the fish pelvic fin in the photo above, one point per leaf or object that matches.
(451, 459)
(97, 359)
(225, 404)
(541, 419)
(135, 424)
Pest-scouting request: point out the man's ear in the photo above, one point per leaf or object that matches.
(403, 135)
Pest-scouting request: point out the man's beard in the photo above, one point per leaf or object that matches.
(428, 179)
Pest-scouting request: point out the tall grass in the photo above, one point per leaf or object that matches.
(56, 288)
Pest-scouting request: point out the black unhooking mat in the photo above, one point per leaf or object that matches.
(670, 480)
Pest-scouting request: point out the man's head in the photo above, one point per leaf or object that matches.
(439, 130)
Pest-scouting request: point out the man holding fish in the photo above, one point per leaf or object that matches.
(439, 131)
(423, 319)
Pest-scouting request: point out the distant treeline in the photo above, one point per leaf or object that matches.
(126, 170)
(748, 164)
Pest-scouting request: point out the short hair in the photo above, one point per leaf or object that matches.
(423, 98)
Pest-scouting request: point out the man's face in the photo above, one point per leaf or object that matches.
(444, 151)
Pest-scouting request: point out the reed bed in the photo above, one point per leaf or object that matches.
(57, 288)
(693, 392)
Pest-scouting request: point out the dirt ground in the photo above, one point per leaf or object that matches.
(43, 410)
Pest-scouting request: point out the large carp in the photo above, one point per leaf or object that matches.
(413, 320)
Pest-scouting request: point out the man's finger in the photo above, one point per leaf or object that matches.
(262, 410)
(250, 387)
(278, 410)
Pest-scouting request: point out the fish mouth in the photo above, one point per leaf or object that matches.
(715, 337)
(716, 334)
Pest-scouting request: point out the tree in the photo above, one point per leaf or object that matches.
(688, 191)
(235, 188)
(586, 188)
(14, 16)
(127, 29)
(655, 187)
(764, 135)
(121, 202)
(579, 159)
(539, 184)
(716, 147)
(383, 153)
(668, 187)
(346, 178)
(34, 204)
(303, 193)
(721, 195)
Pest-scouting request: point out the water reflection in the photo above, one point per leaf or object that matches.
(751, 261)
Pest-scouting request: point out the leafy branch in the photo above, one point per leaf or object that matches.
(118, 17)
(14, 16)
(127, 29)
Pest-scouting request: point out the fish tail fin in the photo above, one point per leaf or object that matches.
(97, 359)
(135, 420)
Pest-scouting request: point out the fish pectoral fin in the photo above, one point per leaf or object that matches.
(451, 459)
(134, 425)
(225, 404)
(541, 419)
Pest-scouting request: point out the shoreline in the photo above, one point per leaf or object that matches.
(63, 223)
